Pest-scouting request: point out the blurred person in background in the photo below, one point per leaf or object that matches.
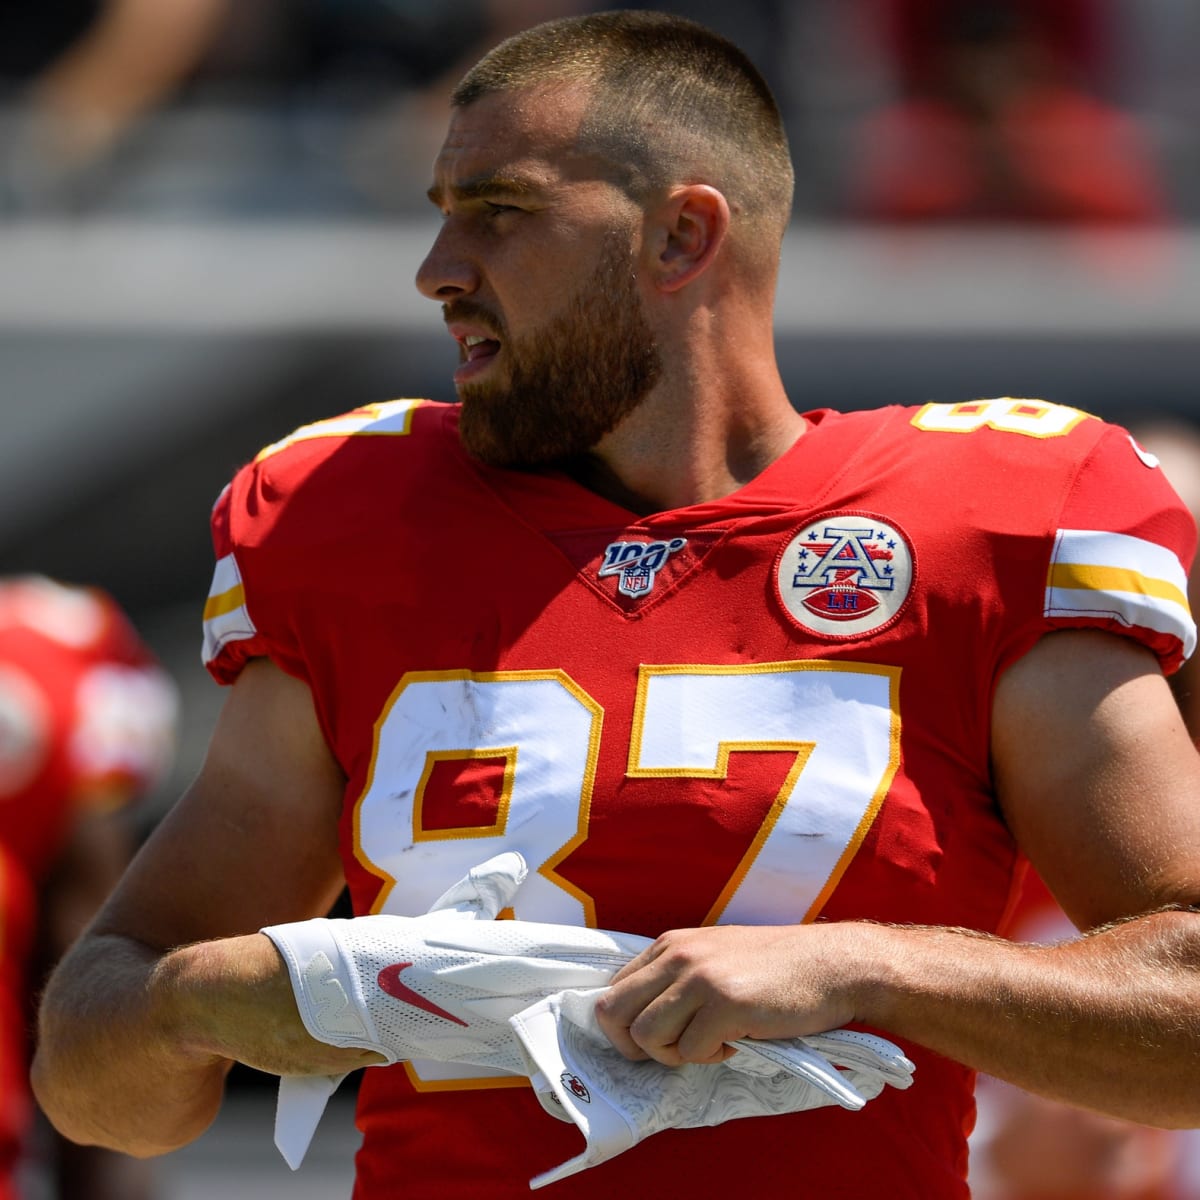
(357, 86)
(83, 74)
(416, 51)
(1041, 1150)
(87, 722)
(999, 120)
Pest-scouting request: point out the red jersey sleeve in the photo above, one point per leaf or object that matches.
(1122, 552)
(231, 637)
(279, 515)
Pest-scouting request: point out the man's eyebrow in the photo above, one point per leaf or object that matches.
(484, 187)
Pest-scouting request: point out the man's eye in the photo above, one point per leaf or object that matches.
(494, 209)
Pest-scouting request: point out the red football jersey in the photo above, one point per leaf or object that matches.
(769, 708)
(86, 718)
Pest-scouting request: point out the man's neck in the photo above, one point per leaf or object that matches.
(659, 460)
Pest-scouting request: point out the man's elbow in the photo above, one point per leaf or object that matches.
(80, 1109)
(98, 1076)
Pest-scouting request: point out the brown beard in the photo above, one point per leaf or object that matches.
(571, 382)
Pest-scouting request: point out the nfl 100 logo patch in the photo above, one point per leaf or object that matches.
(637, 564)
(845, 575)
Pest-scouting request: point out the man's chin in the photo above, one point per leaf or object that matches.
(483, 440)
(500, 448)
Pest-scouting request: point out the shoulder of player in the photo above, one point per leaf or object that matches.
(1001, 429)
(999, 449)
(392, 425)
(335, 486)
(387, 441)
(1038, 425)
(1006, 433)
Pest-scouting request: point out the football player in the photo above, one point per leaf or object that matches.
(794, 693)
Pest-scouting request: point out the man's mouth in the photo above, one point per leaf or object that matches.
(476, 353)
(475, 348)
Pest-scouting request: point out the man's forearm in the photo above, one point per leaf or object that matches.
(1110, 1021)
(115, 1065)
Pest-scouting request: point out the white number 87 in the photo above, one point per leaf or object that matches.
(841, 720)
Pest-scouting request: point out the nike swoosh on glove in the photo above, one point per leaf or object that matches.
(329, 1001)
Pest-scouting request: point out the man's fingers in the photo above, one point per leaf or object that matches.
(704, 1040)
(648, 1014)
(633, 987)
(620, 1005)
(636, 964)
(666, 1027)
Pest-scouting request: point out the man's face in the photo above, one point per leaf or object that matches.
(565, 384)
(536, 273)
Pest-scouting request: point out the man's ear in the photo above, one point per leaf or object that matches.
(688, 230)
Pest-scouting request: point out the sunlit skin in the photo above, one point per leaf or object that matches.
(551, 396)
(536, 271)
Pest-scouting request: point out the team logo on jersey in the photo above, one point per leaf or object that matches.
(576, 1087)
(845, 575)
(637, 564)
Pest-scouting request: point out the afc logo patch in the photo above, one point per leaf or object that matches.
(845, 575)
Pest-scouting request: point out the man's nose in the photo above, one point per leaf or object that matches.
(447, 272)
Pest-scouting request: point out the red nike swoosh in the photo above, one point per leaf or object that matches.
(389, 980)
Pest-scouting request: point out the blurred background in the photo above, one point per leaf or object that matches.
(211, 214)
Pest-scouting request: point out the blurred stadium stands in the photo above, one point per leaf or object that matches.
(239, 259)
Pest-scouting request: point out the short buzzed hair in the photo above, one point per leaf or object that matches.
(672, 102)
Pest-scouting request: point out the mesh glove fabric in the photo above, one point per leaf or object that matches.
(323, 992)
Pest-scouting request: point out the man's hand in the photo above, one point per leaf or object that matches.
(694, 991)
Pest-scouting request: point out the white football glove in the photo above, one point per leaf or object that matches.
(617, 1103)
(437, 986)
(418, 988)
(331, 997)
(456, 986)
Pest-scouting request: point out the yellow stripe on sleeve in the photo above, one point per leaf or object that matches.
(226, 602)
(1113, 579)
(1097, 574)
(225, 616)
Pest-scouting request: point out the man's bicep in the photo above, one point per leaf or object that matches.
(254, 839)
(1098, 777)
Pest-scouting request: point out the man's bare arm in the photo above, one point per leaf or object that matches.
(1100, 783)
(89, 865)
(143, 1018)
